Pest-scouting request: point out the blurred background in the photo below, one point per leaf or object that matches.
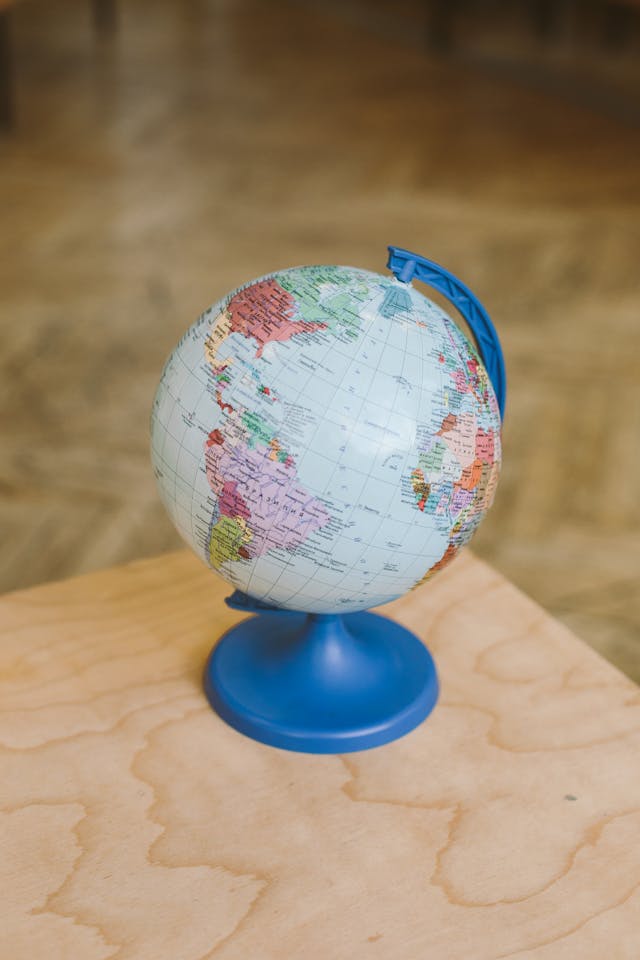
(154, 155)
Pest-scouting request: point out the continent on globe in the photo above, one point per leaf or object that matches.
(326, 438)
(272, 508)
(263, 311)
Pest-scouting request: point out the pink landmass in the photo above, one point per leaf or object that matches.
(485, 446)
(281, 513)
(264, 312)
(460, 381)
(231, 503)
(461, 438)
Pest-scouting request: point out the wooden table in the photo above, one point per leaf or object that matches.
(135, 824)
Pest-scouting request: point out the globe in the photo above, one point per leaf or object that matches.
(325, 438)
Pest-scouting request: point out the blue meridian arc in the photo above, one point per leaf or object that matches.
(406, 266)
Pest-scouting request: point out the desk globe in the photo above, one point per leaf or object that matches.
(326, 439)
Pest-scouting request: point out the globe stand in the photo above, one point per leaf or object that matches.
(321, 683)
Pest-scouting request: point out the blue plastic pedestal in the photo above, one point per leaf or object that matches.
(321, 683)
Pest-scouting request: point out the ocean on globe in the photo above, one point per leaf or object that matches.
(325, 438)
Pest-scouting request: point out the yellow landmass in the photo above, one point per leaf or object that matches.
(220, 330)
(228, 537)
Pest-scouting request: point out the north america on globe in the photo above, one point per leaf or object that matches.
(326, 438)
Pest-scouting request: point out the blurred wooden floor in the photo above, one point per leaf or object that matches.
(210, 143)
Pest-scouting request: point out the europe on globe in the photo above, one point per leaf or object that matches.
(326, 438)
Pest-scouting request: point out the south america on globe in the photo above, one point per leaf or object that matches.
(326, 438)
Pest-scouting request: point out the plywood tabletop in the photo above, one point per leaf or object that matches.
(136, 825)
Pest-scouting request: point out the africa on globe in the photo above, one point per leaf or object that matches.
(326, 438)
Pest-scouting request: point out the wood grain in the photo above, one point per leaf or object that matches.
(136, 825)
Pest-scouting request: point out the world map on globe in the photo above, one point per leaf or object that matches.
(325, 438)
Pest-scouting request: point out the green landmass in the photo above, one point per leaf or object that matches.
(432, 461)
(337, 309)
(227, 537)
(259, 431)
(261, 434)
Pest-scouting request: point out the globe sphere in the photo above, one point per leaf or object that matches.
(325, 438)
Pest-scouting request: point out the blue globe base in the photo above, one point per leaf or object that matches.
(321, 683)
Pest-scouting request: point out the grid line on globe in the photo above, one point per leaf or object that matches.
(252, 406)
